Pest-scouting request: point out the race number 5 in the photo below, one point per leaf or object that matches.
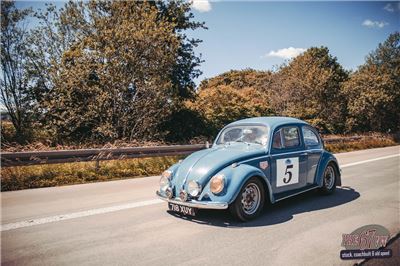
(287, 171)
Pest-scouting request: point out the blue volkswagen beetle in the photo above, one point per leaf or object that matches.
(251, 161)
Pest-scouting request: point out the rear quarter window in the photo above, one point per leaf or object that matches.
(310, 137)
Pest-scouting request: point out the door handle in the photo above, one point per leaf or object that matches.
(304, 153)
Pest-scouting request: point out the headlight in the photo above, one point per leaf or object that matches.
(194, 188)
(217, 184)
(167, 174)
(164, 180)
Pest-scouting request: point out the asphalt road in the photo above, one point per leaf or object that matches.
(121, 222)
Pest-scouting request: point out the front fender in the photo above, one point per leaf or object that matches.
(327, 158)
(235, 177)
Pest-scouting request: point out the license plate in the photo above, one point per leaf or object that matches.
(182, 209)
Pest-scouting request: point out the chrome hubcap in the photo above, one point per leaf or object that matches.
(251, 199)
(329, 177)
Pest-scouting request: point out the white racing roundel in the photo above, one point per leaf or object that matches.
(287, 171)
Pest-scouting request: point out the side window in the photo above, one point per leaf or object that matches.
(286, 138)
(291, 137)
(310, 138)
(277, 141)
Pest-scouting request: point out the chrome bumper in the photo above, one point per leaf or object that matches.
(195, 203)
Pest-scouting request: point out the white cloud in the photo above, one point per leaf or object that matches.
(374, 24)
(285, 53)
(201, 5)
(389, 7)
(392, 7)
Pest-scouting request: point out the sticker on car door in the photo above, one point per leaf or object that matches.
(287, 171)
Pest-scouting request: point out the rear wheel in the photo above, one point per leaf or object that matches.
(329, 181)
(250, 201)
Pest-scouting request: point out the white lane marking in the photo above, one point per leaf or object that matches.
(370, 160)
(68, 216)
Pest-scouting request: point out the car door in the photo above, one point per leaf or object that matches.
(313, 146)
(289, 160)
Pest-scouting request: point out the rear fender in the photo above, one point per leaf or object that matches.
(328, 158)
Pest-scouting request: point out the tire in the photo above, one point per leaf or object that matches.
(249, 203)
(329, 180)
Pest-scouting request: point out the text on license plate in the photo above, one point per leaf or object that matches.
(182, 209)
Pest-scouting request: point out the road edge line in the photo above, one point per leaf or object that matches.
(369, 160)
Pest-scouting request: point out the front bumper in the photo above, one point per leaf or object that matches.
(195, 203)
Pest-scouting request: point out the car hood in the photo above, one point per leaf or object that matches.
(202, 165)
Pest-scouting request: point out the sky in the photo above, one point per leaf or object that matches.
(262, 35)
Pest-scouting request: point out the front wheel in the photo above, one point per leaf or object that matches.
(250, 201)
(329, 181)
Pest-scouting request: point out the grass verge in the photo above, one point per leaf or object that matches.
(363, 144)
(36, 176)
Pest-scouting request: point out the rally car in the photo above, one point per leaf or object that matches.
(251, 161)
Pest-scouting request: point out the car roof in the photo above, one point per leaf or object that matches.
(269, 121)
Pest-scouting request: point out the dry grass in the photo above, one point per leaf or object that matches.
(23, 177)
(365, 143)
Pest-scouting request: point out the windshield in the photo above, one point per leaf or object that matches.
(247, 134)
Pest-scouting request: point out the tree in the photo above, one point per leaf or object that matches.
(14, 79)
(308, 87)
(231, 96)
(117, 68)
(374, 90)
(260, 80)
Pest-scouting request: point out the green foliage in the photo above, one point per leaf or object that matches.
(7, 132)
(14, 78)
(241, 79)
(185, 125)
(308, 87)
(231, 96)
(94, 72)
(125, 66)
(374, 90)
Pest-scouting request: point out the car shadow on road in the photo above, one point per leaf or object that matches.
(280, 212)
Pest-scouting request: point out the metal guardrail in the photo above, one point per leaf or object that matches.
(68, 156)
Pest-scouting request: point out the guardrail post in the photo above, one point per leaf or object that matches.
(97, 166)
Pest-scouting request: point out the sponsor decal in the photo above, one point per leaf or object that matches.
(264, 165)
(368, 241)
